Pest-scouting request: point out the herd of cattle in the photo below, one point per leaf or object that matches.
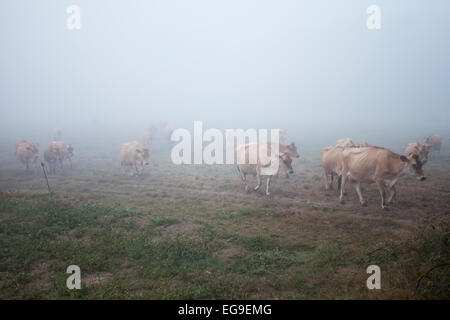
(344, 161)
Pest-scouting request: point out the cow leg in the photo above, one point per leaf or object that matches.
(243, 178)
(393, 193)
(358, 191)
(381, 188)
(267, 185)
(258, 180)
(328, 185)
(344, 180)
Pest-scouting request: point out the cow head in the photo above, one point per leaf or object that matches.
(414, 165)
(286, 162)
(143, 155)
(293, 150)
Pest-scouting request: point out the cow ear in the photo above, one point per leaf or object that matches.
(404, 159)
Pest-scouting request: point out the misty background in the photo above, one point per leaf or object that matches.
(309, 67)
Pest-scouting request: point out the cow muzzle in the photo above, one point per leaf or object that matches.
(146, 163)
(291, 171)
(422, 178)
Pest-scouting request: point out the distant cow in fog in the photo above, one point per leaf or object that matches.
(57, 134)
(27, 153)
(344, 142)
(364, 144)
(56, 153)
(167, 132)
(132, 154)
(434, 142)
(419, 149)
(261, 168)
(283, 136)
(379, 165)
(146, 139)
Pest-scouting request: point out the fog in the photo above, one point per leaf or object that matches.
(312, 68)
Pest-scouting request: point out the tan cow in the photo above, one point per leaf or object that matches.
(291, 149)
(57, 134)
(28, 153)
(332, 165)
(379, 165)
(434, 142)
(132, 154)
(56, 153)
(146, 139)
(344, 142)
(331, 161)
(246, 153)
(167, 134)
(419, 149)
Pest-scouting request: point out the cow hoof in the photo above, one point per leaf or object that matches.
(364, 204)
(385, 208)
(342, 201)
(256, 188)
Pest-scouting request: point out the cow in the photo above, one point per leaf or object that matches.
(262, 167)
(57, 134)
(434, 142)
(167, 134)
(419, 149)
(345, 142)
(56, 153)
(132, 154)
(283, 136)
(291, 149)
(364, 144)
(27, 153)
(332, 165)
(379, 165)
(146, 139)
(331, 161)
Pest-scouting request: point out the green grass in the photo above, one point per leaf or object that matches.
(167, 247)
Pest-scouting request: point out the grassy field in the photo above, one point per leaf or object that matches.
(191, 232)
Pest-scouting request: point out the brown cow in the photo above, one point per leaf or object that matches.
(344, 142)
(246, 153)
(28, 153)
(146, 139)
(379, 165)
(133, 154)
(332, 165)
(56, 152)
(419, 149)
